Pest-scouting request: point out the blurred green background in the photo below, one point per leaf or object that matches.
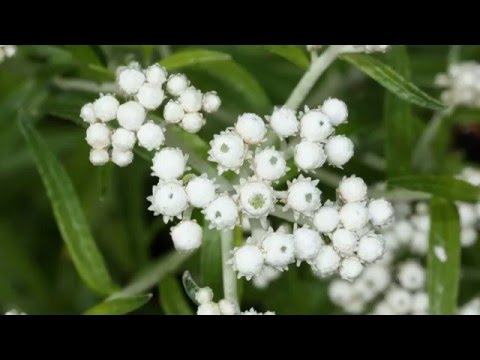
(36, 272)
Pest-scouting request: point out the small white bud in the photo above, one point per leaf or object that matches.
(350, 268)
(315, 126)
(468, 236)
(131, 115)
(303, 196)
(284, 122)
(208, 309)
(227, 307)
(211, 102)
(169, 163)
(279, 250)
(307, 243)
(150, 96)
(327, 261)
(248, 261)
(339, 150)
(173, 112)
(204, 295)
(156, 74)
(98, 136)
(309, 155)
(228, 150)
(193, 122)
(150, 136)
(344, 242)
(352, 189)
(168, 199)
(123, 140)
(420, 303)
(130, 80)
(87, 113)
(269, 164)
(251, 128)
(187, 235)
(380, 212)
(340, 292)
(191, 99)
(177, 84)
(399, 300)
(411, 275)
(336, 110)
(222, 213)
(256, 198)
(122, 158)
(99, 157)
(200, 191)
(354, 216)
(370, 248)
(326, 219)
(105, 108)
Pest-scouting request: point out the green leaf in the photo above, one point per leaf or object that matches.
(119, 306)
(84, 54)
(191, 57)
(211, 260)
(292, 53)
(190, 286)
(153, 273)
(443, 257)
(239, 79)
(102, 71)
(393, 81)
(172, 298)
(398, 119)
(443, 186)
(68, 213)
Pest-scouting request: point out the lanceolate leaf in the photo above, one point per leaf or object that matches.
(398, 118)
(439, 185)
(443, 257)
(119, 306)
(393, 81)
(191, 57)
(68, 213)
(172, 298)
(291, 53)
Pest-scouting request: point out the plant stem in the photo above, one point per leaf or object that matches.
(318, 66)
(229, 276)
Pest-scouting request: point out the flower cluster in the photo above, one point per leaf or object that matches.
(115, 128)
(461, 83)
(7, 51)
(207, 306)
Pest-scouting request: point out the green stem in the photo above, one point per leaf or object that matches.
(229, 276)
(318, 66)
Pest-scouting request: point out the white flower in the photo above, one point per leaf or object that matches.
(130, 80)
(307, 243)
(279, 250)
(344, 242)
(122, 158)
(98, 136)
(468, 236)
(351, 268)
(336, 110)
(187, 235)
(131, 115)
(377, 277)
(303, 196)
(269, 164)
(211, 102)
(193, 122)
(315, 126)
(467, 214)
(156, 74)
(327, 261)
(352, 189)
(209, 308)
(228, 150)
(123, 140)
(191, 99)
(284, 122)
(265, 277)
(326, 219)
(201, 191)
(168, 199)
(340, 292)
(204, 295)
(256, 198)
(99, 157)
(177, 84)
(87, 113)
(251, 128)
(399, 300)
(354, 216)
(339, 150)
(222, 213)
(411, 275)
(309, 155)
(105, 107)
(150, 96)
(419, 242)
(420, 303)
(380, 212)
(227, 307)
(247, 261)
(169, 163)
(370, 248)
(173, 112)
(403, 231)
(150, 136)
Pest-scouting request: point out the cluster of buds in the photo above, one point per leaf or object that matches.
(461, 84)
(7, 51)
(115, 128)
(207, 306)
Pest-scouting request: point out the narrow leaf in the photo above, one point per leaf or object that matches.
(291, 53)
(445, 187)
(191, 57)
(68, 213)
(398, 118)
(119, 306)
(393, 81)
(443, 257)
(172, 298)
(211, 260)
